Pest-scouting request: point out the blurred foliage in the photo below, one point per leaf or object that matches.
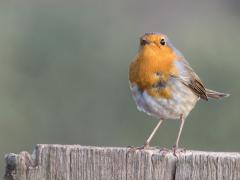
(64, 72)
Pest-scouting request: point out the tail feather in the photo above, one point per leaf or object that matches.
(215, 94)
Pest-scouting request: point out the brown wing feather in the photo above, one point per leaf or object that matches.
(193, 82)
(196, 85)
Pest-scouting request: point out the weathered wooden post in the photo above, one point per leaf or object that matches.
(76, 162)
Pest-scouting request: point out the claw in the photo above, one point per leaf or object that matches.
(177, 150)
(145, 146)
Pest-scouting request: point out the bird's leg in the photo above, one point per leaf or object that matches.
(175, 146)
(146, 144)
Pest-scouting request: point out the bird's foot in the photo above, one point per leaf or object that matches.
(143, 147)
(177, 150)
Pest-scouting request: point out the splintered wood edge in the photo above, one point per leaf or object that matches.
(185, 162)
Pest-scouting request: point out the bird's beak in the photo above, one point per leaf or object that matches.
(144, 41)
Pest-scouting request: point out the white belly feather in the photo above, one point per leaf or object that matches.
(182, 102)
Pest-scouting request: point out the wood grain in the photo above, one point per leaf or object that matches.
(76, 162)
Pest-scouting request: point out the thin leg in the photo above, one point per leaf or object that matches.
(146, 144)
(175, 147)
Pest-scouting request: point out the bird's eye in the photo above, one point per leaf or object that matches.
(162, 41)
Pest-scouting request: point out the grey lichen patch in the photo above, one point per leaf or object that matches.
(10, 169)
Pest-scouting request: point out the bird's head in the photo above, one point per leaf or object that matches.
(156, 42)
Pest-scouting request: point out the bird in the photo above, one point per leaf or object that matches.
(163, 84)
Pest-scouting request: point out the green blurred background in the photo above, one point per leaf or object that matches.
(64, 71)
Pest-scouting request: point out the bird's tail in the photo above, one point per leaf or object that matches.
(215, 94)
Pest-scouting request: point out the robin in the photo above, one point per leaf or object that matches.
(163, 84)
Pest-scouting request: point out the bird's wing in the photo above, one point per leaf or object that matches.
(190, 79)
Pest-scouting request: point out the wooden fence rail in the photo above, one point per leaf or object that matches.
(76, 162)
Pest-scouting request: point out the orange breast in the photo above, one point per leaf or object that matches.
(150, 67)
